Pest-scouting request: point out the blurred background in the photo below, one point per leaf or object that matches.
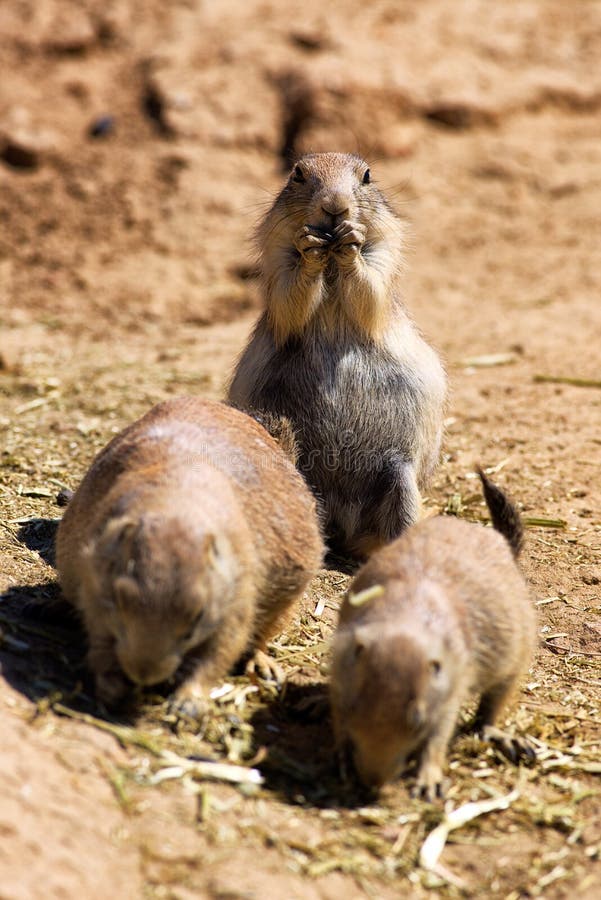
(139, 142)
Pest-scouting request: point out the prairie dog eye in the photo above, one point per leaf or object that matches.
(298, 175)
(435, 666)
(366, 177)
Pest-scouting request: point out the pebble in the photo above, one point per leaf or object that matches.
(101, 127)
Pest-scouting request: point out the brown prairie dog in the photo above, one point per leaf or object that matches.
(336, 353)
(184, 547)
(441, 612)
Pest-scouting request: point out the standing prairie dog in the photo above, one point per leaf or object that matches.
(441, 612)
(184, 547)
(336, 353)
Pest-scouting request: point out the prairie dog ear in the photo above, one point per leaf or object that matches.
(117, 540)
(216, 555)
(126, 592)
(119, 529)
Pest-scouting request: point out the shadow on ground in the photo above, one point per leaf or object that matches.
(300, 765)
(42, 645)
(42, 655)
(39, 535)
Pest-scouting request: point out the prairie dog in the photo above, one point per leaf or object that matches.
(184, 547)
(441, 612)
(336, 353)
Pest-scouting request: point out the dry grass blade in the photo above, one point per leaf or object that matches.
(31, 404)
(561, 761)
(206, 769)
(176, 766)
(542, 522)
(565, 379)
(434, 844)
(370, 593)
(116, 781)
(317, 649)
(124, 734)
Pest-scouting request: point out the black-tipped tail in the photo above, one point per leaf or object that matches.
(505, 517)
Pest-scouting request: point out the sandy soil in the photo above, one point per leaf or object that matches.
(136, 152)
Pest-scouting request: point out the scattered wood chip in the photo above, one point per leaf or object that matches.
(206, 769)
(213, 771)
(26, 520)
(222, 691)
(489, 360)
(31, 404)
(321, 605)
(175, 766)
(35, 492)
(492, 470)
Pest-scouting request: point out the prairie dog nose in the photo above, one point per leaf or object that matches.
(142, 673)
(335, 204)
(148, 671)
(336, 212)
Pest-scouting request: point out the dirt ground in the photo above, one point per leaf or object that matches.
(139, 143)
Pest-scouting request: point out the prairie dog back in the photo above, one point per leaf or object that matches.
(439, 614)
(336, 353)
(184, 546)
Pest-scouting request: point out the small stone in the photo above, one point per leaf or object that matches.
(591, 579)
(64, 496)
(311, 41)
(101, 127)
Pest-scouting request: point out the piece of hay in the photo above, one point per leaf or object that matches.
(434, 843)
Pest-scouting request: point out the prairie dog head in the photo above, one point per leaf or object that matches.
(324, 189)
(389, 684)
(161, 590)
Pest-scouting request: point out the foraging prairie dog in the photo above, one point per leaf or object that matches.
(336, 353)
(184, 547)
(441, 612)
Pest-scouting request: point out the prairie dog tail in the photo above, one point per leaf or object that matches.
(505, 516)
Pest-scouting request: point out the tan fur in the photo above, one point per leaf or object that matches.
(362, 296)
(453, 617)
(337, 354)
(185, 546)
